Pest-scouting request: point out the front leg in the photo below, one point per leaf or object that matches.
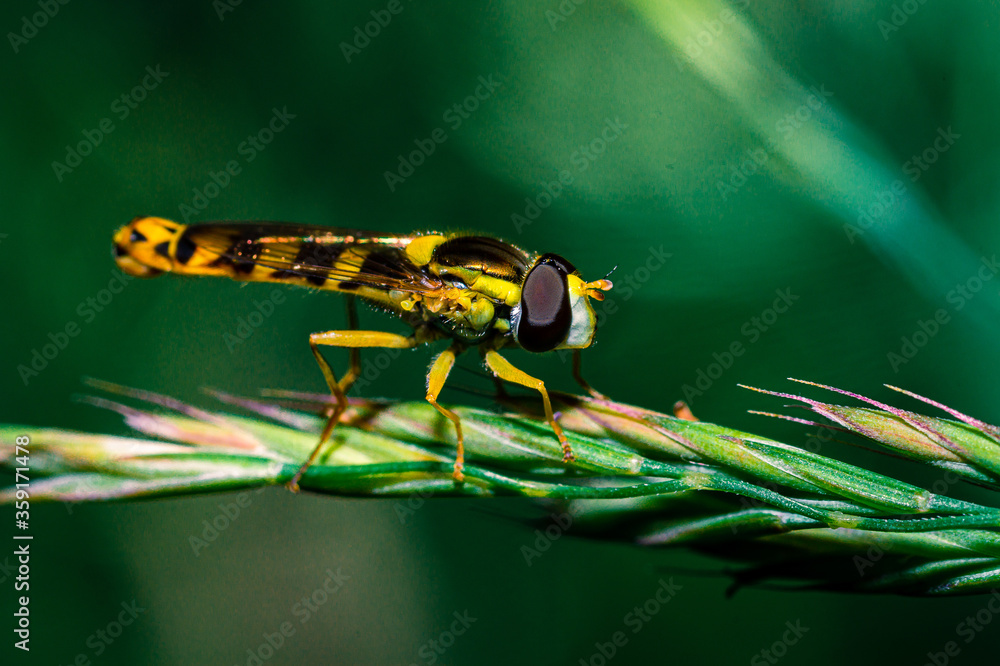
(502, 368)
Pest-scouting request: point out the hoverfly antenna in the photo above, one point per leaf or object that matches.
(597, 288)
(610, 272)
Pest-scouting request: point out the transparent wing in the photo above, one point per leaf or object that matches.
(317, 254)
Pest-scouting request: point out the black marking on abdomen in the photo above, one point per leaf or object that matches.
(247, 252)
(312, 261)
(163, 249)
(388, 263)
(185, 247)
(242, 255)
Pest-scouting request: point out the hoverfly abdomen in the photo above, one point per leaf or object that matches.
(312, 262)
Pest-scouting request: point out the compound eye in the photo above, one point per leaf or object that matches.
(558, 262)
(545, 310)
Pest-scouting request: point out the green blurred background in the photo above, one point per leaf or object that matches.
(751, 140)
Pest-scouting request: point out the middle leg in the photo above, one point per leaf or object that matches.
(436, 377)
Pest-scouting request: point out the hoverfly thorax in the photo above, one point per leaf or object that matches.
(554, 311)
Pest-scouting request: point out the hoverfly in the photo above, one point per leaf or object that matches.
(476, 291)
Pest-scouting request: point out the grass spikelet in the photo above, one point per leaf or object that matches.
(777, 513)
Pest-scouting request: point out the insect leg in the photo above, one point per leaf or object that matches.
(436, 377)
(354, 355)
(501, 389)
(594, 393)
(352, 340)
(504, 370)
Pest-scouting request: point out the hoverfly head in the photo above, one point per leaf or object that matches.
(555, 311)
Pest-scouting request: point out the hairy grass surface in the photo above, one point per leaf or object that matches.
(776, 513)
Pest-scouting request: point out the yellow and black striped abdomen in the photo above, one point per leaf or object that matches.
(350, 261)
